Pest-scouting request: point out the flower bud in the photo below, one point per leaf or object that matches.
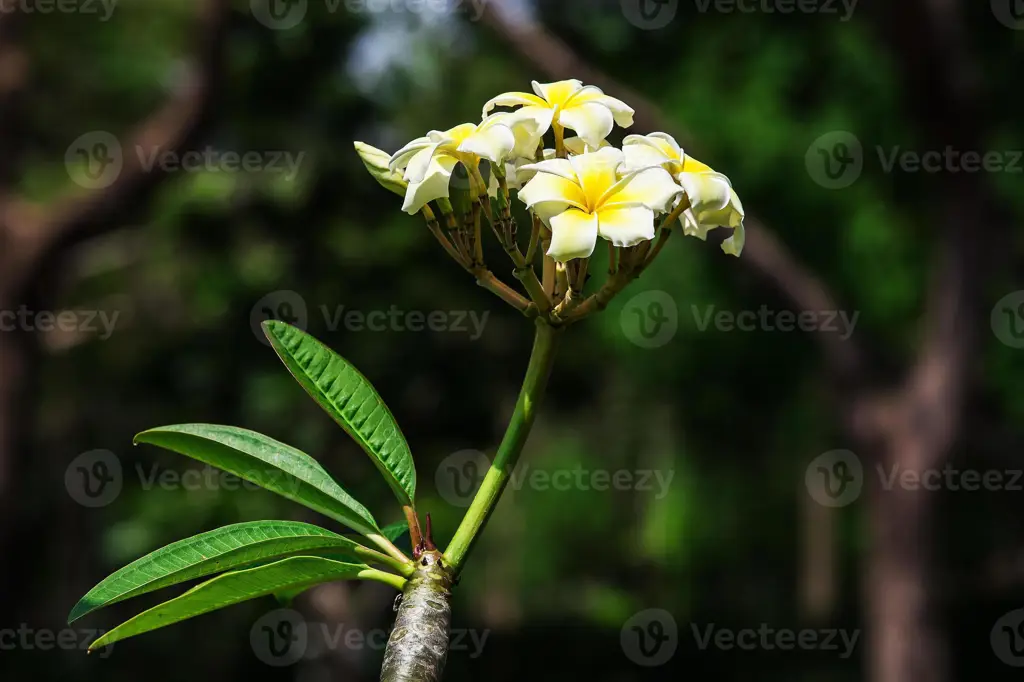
(376, 161)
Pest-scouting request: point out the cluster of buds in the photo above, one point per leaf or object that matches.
(579, 189)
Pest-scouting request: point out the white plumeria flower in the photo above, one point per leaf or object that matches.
(585, 109)
(713, 201)
(429, 161)
(517, 174)
(585, 196)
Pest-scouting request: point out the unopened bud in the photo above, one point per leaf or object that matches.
(376, 161)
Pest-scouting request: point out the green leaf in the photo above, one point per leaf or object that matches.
(234, 546)
(269, 464)
(349, 398)
(238, 586)
(395, 530)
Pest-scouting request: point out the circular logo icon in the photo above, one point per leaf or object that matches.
(650, 319)
(650, 637)
(1009, 13)
(1007, 638)
(94, 160)
(835, 478)
(94, 478)
(459, 476)
(1008, 319)
(649, 15)
(284, 306)
(280, 638)
(279, 15)
(835, 160)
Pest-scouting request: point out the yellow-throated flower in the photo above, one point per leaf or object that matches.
(585, 109)
(713, 201)
(428, 161)
(586, 195)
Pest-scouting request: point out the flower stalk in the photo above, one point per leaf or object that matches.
(542, 359)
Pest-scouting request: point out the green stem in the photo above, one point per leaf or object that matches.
(537, 373)
(396, 581)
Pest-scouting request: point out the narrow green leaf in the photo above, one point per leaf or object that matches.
(269, 464)
(238, 586)
(349, 398)
(226, 548)
(395, 530)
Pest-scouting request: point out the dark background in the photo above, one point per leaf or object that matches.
(185, 258)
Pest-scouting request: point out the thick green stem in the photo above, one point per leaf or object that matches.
(537, 373)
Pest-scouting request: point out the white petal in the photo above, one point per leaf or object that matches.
(622, 112)
(545, 187)
(433, 186)
(557, 93)
(642, 152)
(529, 125)
(708, 191)
(653, 188)
(494, 143)
(513, 99)
(419, 162)
(597, 172)
(573, 235)
(560, 167)
(591, 121)
(626, 226)
(400, 159)
(576, 145)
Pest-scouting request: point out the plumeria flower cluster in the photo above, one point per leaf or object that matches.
(575, 191)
